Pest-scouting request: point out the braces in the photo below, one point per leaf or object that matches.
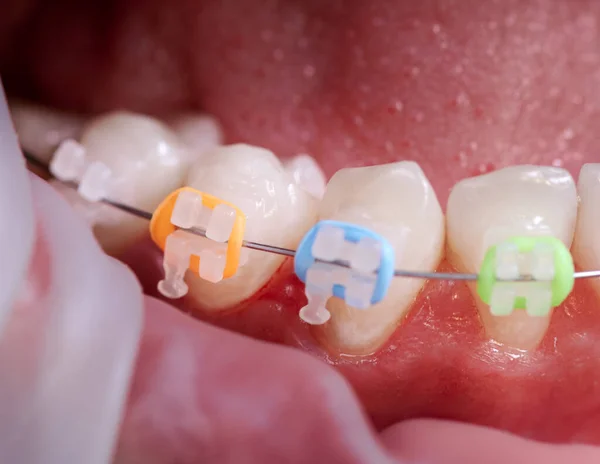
(341, 264)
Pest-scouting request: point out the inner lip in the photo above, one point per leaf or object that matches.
(458, 374)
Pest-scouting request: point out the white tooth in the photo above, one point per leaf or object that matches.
(586, 243)
(199, 132)
(146, 161)
(308, 174)
(397, 201)
(40, 130)
(16, 210)
(68, 352)
(278, 213)
(517, 201)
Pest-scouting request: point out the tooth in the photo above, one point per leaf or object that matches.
(278, 213)
(516, 201)
(308, 174)
(397, 201)
(40, 130)
(586, 243)
(17, 228)
(145, 161)
(199, 132)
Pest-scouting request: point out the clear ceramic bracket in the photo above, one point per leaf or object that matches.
(363, 258)
(190, 212)
(70, 164)
(510, 265)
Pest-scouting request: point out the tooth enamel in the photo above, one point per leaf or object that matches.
(586, 243)
(517, 201)
(40, 130)
(199, 132)
(308, 174)
(145, 162)
(397, 201)
(278, 213)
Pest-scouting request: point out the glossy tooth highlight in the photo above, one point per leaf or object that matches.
(516, 201)
(147, 162)
(397, 201)
(278, 213)
(586, 243)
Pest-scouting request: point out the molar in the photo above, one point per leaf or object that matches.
(278, 212)
(516, 201)
(145, 160)
(397, 201)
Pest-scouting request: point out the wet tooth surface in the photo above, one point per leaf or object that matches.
(278, 213)
(397, 201)
(147, 161)
(518, 201)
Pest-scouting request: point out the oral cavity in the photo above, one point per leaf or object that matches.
(396, 201)
(487, 210)
(278, 212)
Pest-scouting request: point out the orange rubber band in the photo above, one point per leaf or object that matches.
(161, 227)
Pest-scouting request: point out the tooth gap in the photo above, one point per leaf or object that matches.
(95, 182)
(68, 162)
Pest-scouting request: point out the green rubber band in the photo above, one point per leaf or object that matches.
(564, 270)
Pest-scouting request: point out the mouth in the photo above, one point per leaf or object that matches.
(451, 122)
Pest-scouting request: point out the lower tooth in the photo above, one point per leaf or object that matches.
(277, 211)
(397, 202)
(128, 158)
(483, 211)
(586, 244)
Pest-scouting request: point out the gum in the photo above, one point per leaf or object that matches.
(439, 363)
